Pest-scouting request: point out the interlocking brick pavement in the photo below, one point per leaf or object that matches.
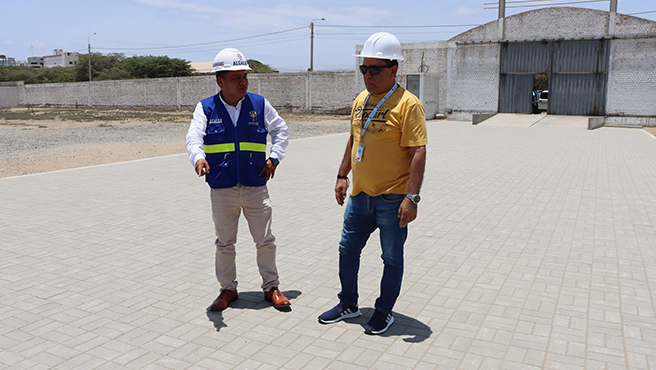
(535, 248)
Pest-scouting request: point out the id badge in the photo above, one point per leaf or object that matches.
(358, 153)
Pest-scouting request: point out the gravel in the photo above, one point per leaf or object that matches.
(34, 149)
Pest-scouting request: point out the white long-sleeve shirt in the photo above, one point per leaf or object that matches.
(275, 125)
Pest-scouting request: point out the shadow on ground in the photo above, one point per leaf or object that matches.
(415, 330)
(250, 301)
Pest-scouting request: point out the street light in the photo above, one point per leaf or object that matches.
(89, 45)
(312, 42)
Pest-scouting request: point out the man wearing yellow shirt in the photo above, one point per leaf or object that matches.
(387, 154)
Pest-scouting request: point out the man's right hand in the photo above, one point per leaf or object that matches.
(340, 190)
(202, 167)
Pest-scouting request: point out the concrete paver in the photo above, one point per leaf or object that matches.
(535, 248)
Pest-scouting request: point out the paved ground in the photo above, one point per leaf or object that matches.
(535, 248)
(530, 120)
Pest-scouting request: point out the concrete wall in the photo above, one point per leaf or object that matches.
(430, 58)
(632, 78)
(473, 79)
(8, 96)
(318, 92)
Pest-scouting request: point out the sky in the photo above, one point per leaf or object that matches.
(275, 33)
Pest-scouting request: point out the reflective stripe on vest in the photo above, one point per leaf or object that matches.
(220, 148)
(252, 147)
(230, 147)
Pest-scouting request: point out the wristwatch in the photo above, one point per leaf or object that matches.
(274, 161)
(414, 198)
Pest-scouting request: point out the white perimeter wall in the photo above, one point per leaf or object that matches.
(8, 96)
(319, 92)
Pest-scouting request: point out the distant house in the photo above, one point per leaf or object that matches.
(202, 67)
(7, 61)
(61, 58)
(35, 62)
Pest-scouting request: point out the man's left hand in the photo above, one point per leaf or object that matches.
(407, 212)
(268, 170)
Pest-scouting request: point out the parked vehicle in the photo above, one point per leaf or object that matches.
(543, 100)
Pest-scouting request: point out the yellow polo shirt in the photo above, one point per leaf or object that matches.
(399, 124)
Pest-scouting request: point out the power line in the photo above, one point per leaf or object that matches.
(252, 43)
(552, 4)
(209, 43)
(200, 46)
(527, 1)
(386, 26)
(359, 34)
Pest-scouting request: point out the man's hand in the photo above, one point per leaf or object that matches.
(407, 212)
(340, 190)
(202, 167)
(268, 170)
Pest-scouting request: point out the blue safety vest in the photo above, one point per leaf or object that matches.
(236, 154)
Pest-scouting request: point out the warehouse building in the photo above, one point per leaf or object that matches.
(597, 63)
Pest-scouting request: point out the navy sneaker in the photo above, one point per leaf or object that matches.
(379, 323)
(339, 312)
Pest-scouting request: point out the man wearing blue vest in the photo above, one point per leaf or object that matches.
(227, 142)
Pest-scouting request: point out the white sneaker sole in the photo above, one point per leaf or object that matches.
(381, 331)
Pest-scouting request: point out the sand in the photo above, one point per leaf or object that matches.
(43, 145)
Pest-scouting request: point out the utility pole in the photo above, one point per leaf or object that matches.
(612, 14)
(312, 42)
(89, 46)
(502, 19)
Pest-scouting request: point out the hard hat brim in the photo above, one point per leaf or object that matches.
(243, 68)
(400, 59)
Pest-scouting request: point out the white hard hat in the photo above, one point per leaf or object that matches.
(381, 45)
(230, 59)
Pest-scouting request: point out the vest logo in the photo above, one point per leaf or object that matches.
(215, 120)
(253, 115)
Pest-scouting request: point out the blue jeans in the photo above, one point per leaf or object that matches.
(362, 216)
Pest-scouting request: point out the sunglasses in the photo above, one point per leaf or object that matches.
(374, 70)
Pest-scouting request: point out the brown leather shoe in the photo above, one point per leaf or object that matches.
(223, 300)
(275, 296)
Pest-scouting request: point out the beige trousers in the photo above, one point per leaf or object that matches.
(227, 205)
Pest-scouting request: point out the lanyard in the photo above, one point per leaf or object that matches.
(373, 112)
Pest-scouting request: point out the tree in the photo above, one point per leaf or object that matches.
(113, 66)
(99, 64)
(540, 81)
(259, 67)
(56, 75)
(18, 74)
(156, 67)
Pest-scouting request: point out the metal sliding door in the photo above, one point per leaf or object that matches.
(519, 62)
(577, 73)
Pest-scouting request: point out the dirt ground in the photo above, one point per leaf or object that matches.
(47, 139)
(35, 140)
